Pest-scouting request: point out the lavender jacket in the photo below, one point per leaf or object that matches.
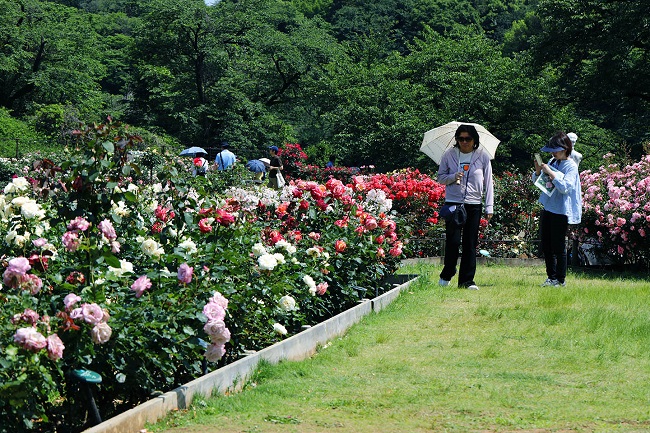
(479, 184)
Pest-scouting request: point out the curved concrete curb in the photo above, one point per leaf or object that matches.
(232, 376)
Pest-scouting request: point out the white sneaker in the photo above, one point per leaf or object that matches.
(472, 287)
(442, 282)
(552, 283)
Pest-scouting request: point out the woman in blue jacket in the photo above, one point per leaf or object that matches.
(562, 206)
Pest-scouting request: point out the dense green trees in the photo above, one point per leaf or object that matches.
(234, 72)
(601, 51)
(364, 80)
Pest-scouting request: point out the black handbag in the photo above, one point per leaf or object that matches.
(454, 213)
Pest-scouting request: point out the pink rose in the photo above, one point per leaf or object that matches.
(141, 285)
(371, 223)
(69, 300)
(107, 229)
(79, 223)
(92, 313)
(40, 242)
(214, 311)
(215, 352)
(224, 218)
(54, 347)
(185, 273)
(14, 275)
(217, 331)
(340, 246)
(204, 225)
(101, 333)
(322, 288)
(29, 316)
(30, 339)
(71, 241)
(32, 283)
(219, 299)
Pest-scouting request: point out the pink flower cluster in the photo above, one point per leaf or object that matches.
(215, 327)
(617, 208)
(29, 337)
(16, 276)
(91, 314)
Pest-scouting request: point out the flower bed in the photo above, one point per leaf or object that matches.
(106, 271)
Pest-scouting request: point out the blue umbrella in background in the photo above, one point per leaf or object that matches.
(256, 166)
(192, 151)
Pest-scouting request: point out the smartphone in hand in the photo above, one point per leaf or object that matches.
(538, 158)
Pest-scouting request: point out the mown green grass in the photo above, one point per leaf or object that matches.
(511, 357)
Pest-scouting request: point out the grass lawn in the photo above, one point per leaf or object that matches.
(512, 356)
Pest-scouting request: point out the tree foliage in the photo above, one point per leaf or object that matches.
(363, 80)
(601, 50)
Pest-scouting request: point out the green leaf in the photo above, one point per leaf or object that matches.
(110, 148)
(130, 196)
(111, 260)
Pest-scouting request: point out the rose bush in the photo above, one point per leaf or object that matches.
(616, 216)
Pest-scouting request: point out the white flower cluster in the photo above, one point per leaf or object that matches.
(117, 273)
(151, 248)
(376, 201)
(291, 249)
(311, 284)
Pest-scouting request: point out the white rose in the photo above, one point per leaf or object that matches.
(280, 258)
(279, 329)
(17, 184)
(258, 249)
(287, 303)
(31, 210)
(188, 246)
(267, 262)
(151, 248)
(309, 281)
(313, 252)
(125, 267)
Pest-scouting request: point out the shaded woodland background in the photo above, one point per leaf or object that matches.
(363, 80)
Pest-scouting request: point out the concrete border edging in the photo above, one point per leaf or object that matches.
(232, 377)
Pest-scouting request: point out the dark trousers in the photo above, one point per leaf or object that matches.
(467, 235)
(554, 229)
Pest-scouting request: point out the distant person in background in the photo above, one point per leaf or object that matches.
(258, 168)
(200, 165)
(275, 167)
(330, 163)
(225, 159)
(575, 155)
